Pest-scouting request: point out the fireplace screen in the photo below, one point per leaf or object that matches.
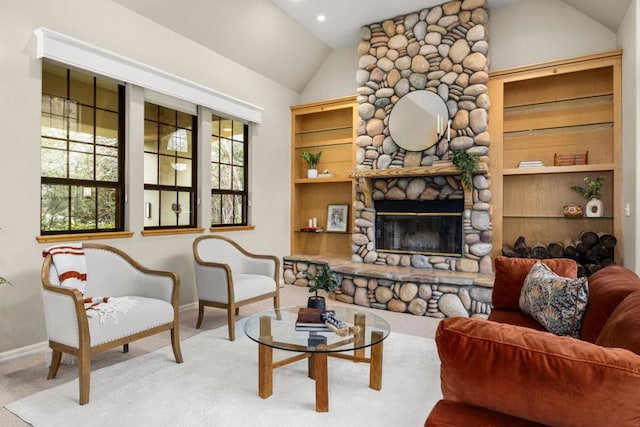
(417, 227)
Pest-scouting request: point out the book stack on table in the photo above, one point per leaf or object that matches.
(310, 319)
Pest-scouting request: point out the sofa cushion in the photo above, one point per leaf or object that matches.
(622, 329)
(607, 288)
(538, 376)
(447, 413)
(511, 272)
(556, 302)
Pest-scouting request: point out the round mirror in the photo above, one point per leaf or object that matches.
(418, 120)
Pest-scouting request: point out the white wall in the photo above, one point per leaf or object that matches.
(628, 41)
(543, 30)
(335, 78)
(110, 26)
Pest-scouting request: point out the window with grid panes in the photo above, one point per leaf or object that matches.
(82, 152)
(169, 168)
(229, 159)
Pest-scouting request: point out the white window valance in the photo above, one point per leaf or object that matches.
(76, 53)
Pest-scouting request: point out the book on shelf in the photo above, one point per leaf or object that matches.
(312, 229)
(530, 163)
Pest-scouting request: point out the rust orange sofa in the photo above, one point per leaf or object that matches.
(508, 371)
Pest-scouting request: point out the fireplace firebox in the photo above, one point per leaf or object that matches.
(432, 227)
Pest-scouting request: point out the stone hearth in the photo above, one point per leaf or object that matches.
(419, 291)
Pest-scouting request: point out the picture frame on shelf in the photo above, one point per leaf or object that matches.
(337, 218)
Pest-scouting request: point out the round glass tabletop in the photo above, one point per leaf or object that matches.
(277, 329)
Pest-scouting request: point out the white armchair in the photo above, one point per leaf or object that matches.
(111, 273)
(227, 276)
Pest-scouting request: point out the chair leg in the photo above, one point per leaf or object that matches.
(231, 320)
(125, 348)
(84, 371)
(175, 344)
(200, 314)
(56, 357)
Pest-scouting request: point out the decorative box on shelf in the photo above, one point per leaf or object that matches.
(570, 159)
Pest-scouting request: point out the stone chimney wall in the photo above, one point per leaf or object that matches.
(442, 49)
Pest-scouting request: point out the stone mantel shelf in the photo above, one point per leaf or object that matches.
(444, 167)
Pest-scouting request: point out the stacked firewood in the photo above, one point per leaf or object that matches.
(592, 251)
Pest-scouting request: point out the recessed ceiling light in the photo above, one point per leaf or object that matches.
(321, 18)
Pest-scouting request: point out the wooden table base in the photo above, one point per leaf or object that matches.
(317, 365)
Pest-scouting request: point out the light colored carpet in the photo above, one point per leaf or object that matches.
(217, 385)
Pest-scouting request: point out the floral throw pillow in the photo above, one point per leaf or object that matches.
(557, 303)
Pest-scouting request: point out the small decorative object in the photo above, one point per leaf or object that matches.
(324, 279)
(572, 211)
(570, 159)
(591, 193)
(466, 163)
(312, 161)
(337, 217)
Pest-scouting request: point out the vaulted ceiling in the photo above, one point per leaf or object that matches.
(283, 40)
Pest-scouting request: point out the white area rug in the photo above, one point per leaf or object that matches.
(217, 386)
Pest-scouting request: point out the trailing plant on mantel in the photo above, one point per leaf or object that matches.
(466, 163)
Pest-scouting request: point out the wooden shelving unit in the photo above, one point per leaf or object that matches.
(563, 107)
(330, 127)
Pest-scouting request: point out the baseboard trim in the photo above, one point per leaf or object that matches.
(43, 346)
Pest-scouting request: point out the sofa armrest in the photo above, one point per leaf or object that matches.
(536, 375)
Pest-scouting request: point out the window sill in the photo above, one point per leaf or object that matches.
(164, 232)
(83, 236)
(232, 228)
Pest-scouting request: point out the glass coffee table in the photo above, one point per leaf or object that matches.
(275, 329)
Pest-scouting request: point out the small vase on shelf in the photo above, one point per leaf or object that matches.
(594, 208)
(312, 173)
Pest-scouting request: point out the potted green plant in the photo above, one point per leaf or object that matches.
(326, 280)
(312, 161)
(591, 192)
(466, 164)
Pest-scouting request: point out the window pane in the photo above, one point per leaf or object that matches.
(53, 163)
(215, 176)
(54, 80)
(238, 178)
(227, 209)
(107, 95)
(185, 120)
(225, 151)
(150, 168)
(83, 208)
(183, 171)
(81, 88)
(80, 166)
(107, 168)
(184, 205)
(150, 136)
(107, 128)
(226, 128)
(81, 127)
(215, 126)
(238, 153)
(167, 172)
(150, 112)
(167, 116)
(215, 149)
(238, 131)
(54, 202)
(238, 209)
(225, 177)
(152, 208)
(107, 208)
(216, 208)
(170, 209)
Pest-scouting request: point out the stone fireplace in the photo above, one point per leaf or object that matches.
(421, 240)
(442, 50)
